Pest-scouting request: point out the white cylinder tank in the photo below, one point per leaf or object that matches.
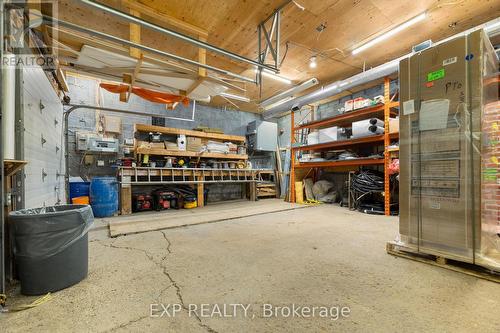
(9, 108)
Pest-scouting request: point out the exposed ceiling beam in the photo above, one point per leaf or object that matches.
(135, 35)
(164, 17)
(134, 76)
(195, 85)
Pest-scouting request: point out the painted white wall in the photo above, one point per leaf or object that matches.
(49, 190)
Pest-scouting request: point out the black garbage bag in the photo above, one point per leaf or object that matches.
(51, 246)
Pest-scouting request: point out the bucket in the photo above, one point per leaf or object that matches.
(104, 196)
(78, 189)
(85, 200)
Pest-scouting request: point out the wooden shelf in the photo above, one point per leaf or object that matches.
(12, 166)
(341, 163)
(198, 134)
(177, 153)
(348, 117)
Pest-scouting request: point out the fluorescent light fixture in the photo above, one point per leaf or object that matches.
(236, 97)
(390, 33)
(284, 100)
(492, 26)
(312, 62)
(271, 75)
(290, 92)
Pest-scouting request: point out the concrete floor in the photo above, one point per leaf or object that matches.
(319, 256)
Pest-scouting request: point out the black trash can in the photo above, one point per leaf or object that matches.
(51, 246)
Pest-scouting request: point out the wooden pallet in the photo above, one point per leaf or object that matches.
(443, 262)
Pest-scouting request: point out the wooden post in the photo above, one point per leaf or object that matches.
(126, 199)
(200, 193)
(135, 35)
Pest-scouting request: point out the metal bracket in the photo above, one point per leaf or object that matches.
(57, 149)
(41, 106)
(270, 39)
(43, 140)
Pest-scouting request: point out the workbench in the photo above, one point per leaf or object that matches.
(143, 176)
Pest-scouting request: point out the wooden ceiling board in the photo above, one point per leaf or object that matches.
(232, 24)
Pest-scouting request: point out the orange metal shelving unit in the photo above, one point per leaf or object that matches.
(380, 110)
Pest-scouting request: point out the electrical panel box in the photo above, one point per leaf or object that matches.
(262, 136)
(92, 142)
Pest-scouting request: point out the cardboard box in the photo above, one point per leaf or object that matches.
(349, 105)
(393, 125)
(151, 145)
(112, 124)
(194, 144)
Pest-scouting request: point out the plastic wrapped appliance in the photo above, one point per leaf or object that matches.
(445, 172)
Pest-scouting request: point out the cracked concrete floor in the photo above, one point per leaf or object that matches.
(323, 255)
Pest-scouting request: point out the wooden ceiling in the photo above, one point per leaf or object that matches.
(232, 24)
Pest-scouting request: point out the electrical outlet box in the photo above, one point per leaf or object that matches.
(262, 135)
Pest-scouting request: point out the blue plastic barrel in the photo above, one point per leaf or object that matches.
(78, 189)
(104, 196)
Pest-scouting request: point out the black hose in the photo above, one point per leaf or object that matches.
(367, 181)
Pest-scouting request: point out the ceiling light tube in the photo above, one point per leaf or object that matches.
(289, 98)
(235, 97)
(290, 92)
(390, 33)
(273, 76)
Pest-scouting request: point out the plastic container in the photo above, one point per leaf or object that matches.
(80, 200)
(104, 196)
(51, 246)
(78, 189)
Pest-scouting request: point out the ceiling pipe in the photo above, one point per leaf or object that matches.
(335, 88)
(176, 34)
(492, 28)
(53, 21)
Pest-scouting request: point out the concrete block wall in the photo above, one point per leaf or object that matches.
(86, 91)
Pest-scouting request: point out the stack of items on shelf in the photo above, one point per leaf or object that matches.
(178, 148)
(217, 147)
(361, 102)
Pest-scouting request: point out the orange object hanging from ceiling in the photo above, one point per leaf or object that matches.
(147, 94)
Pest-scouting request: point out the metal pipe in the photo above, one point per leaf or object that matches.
(2, 175)
(66, 115)
(52, 21)
(176, 34)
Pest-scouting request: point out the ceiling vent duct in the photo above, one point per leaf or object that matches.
(492, 28)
